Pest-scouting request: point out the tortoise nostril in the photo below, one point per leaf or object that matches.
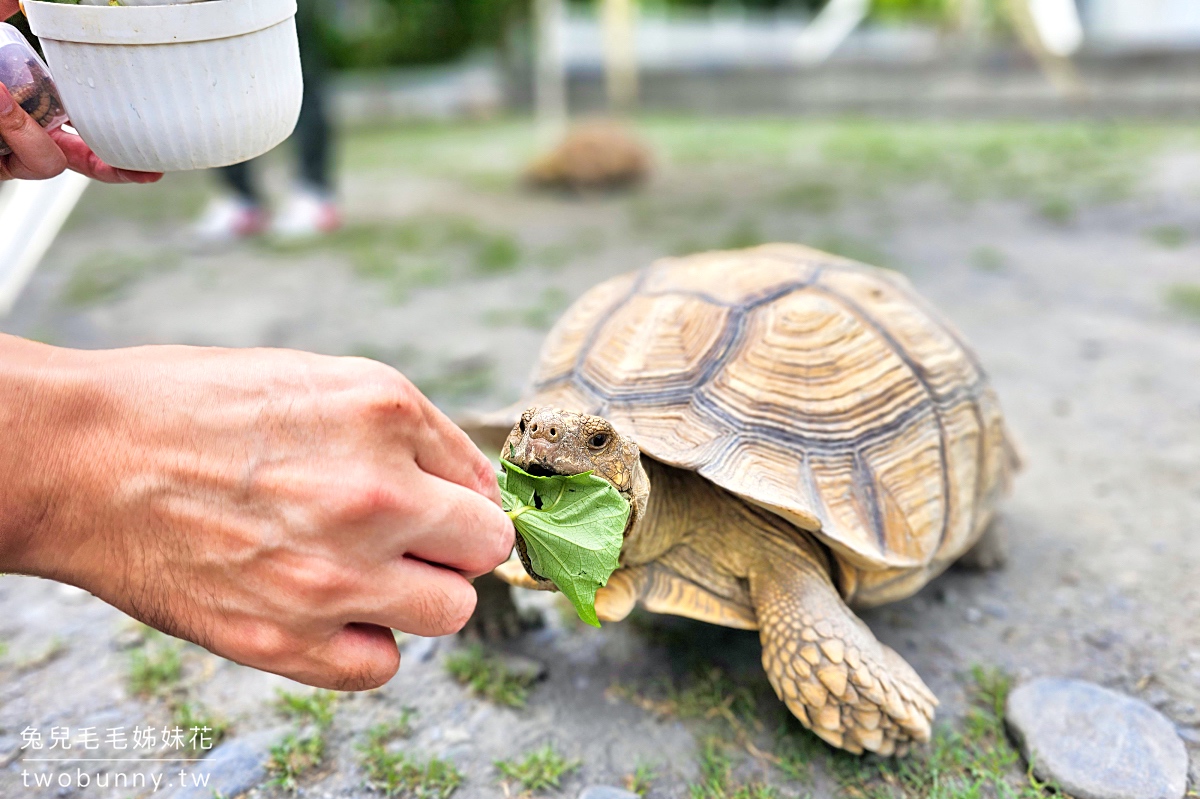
(553, 432)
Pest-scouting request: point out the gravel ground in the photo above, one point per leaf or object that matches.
(1067, 255)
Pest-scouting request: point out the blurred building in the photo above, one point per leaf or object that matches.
(1139, 58)
(1141, 24)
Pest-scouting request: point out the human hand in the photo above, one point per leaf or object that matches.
(38, 154)
(280, 509)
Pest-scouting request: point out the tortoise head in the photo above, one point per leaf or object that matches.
(550, 441)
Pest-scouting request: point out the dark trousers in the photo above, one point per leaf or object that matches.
(312, 135)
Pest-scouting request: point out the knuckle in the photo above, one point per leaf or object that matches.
(364, 669)
(501, 542)
(363, 678)
(12, 120)
(483, 474)
(266, 647)
(486, 533)
(366, 500)
(447, 611)
(321, 581)
(459, 612)
(385, 393)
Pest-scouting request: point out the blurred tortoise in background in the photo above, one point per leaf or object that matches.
(797, 434)
(600, 154)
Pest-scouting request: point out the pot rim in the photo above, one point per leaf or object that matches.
(165, 24)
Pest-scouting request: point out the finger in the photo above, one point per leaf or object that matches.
(34, 155)
(81, 159)
(444, 450)
(418, 598)
(358, 657)
(460, 529)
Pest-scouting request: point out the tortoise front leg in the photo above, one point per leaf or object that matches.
(827, 666)
(613, 601)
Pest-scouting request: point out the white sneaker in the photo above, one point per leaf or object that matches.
(306, 214)
(229, 219)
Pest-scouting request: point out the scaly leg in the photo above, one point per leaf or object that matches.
(828, 667)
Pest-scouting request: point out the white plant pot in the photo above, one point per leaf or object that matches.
(167, 88)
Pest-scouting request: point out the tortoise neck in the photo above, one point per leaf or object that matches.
(663, 516)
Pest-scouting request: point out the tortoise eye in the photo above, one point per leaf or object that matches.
(598, 441)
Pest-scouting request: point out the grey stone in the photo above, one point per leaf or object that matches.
(421, 649)
(1095, 743)
(606, 792)
(526, 668)
(234, 767)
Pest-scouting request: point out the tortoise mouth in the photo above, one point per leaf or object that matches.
(541, 470)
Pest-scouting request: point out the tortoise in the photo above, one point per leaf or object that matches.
(37, 97)
(797, 434)
(594, 155)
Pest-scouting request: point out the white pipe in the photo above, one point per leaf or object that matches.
(550, 75)
(620, 54)
(825, 34)
(31, 214)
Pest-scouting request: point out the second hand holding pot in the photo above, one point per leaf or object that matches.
(172, 87)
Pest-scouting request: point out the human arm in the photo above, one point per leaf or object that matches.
(279, 508)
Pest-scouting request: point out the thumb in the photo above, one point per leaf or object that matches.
(34, 156)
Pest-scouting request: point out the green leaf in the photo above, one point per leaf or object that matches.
(572, 527)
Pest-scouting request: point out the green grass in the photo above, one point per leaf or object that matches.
(988, 259)
(399, 774)
(852, 247)
(424, 250)
(539, 770)
(810, 196)
(293, 757)
(105, 275)
(400, 727)
(540, 315)
(497, 254)
(459, 381)
(302, 751)
(974, 160)
(199, 724)
(155, 667)
(316, 707)
(176, 200)
(1170, 237)
(641, 780)
(717, 780)
(1184, 298)
(1058, 210)
(487, 677)
(708, 694)
(745, 233)
(973, 761)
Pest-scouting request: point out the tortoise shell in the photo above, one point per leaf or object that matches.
(819, 388)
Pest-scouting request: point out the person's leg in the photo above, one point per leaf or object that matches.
(237, 213)
(311, 209)
(313, 139)
(240, 179)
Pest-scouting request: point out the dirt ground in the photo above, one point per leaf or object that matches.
(1068, 255)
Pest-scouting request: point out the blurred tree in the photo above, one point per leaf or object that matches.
(362, 34)
(912, 10)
